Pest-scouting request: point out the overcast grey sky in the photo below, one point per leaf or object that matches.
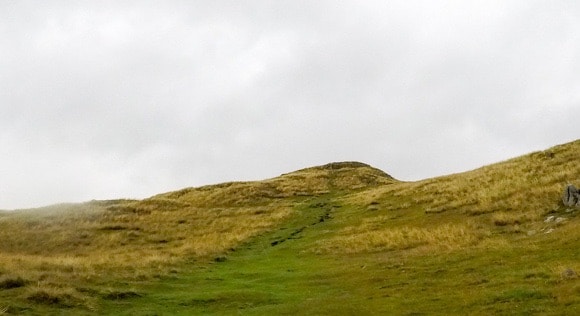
(112, 99)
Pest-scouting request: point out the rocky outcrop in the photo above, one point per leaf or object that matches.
(571, 196)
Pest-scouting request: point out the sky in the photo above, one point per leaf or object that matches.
(128, 99)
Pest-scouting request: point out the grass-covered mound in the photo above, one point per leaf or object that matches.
(343, 238)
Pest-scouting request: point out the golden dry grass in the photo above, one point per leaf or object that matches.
(525, 184)
(52, 255)
(59, 253)
(365, 239)
(460, 209)
(53, 248)
(125, 237)
(306, 182)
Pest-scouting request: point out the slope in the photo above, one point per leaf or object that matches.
(73, 256)
(476, 243)
(336, 239)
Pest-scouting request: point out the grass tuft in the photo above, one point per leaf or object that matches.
(512, 218)
(120, 295)
(57, 296)
(521, 294)
(359, 239)
(11, 282)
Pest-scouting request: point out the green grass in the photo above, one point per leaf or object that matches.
(338, 239)
(289, 279)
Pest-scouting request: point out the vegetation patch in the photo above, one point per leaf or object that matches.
(59, 297)
(512, 218)
(114, 227)
(120, 295)
(234, 299)
(10, 282)
(520, 295)
(366, 238)
(349, 239)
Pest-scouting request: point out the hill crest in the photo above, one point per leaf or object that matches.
(313, 181)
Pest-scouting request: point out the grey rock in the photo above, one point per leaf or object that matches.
(560, 219)
(571, 196)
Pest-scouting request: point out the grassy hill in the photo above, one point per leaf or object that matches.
(343, 238)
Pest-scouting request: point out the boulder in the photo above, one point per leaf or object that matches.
(571, 196)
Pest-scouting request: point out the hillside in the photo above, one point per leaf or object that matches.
(335, 239)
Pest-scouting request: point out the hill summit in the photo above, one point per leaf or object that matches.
(313, 181)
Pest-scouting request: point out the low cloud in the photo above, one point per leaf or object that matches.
(106, 100)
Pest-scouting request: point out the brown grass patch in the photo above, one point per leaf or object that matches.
(58, 297)
(531, 184)
(365, 239)
(95, 243)
(510, 196)
(102, 241)
(514, 218)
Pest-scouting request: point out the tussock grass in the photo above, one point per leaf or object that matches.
(514, 196)
(61, 297)
(126, 244)
(362, 239)
(10, 282)
(526, 184)
(80, 256)
(120, 295)
(515, 218)
(306, 182)
(94, 244)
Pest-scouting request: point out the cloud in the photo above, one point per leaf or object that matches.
(107, 99)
